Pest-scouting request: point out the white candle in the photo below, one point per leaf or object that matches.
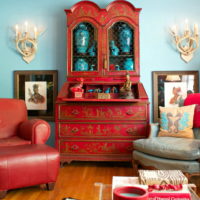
(26, 26)
(186, 25)
(174, 30)
(16, 30)
(35, 32)
(196, 29)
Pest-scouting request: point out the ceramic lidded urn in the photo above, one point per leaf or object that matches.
(125, 38)
(128, 64)
(81, 65)
(82, 37)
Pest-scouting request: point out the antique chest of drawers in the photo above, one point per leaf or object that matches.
(102, 107)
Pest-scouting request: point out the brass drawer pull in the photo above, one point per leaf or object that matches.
(75, 129)
(75, 112)
(129, 112)
(74, 147)
(130, 131)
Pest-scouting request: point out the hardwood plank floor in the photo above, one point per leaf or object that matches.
(77, 180)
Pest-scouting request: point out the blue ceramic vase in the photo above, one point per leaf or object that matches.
(81, 65)
(125, 39)
(128, 64)
(82, 37)
(114, 50)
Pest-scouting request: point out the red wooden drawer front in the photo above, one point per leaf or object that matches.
(93, 147)
(102, 112)
(101, 130)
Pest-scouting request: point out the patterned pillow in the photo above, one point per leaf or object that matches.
(176, 121)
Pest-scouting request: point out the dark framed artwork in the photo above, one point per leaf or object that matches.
(39, 90)
(170, 88)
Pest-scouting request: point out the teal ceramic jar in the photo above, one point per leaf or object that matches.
(81, 38)
(81, 65)
(128, 64)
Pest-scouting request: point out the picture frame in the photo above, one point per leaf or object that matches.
(39, 89)
(170, 88)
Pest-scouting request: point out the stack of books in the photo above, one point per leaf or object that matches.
(161, 184)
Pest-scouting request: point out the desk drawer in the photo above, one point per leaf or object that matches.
(94, 147)
(102, 129)
(102, 111)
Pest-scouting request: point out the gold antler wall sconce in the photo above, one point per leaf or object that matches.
(26, 38)
(186, 43)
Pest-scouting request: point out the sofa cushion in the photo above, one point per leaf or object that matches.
(176, 121)
(166, 164)
(166, 147)
(13, 141)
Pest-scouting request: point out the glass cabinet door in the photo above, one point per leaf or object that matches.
(121, 48)
(85, 48)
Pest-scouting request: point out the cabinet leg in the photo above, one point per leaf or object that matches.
(3, 194)
(50, 186)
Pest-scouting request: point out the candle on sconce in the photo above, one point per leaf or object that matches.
(196, 29)
(186, 25)
(16, 30)
(35, 32)
(26, 26)
(174, 30)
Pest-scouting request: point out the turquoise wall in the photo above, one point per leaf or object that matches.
(156, 51)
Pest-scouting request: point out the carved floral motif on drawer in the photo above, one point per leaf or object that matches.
(102, 112)
(95, 129)
(86, 147)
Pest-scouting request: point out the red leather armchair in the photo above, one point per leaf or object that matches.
(16, 129)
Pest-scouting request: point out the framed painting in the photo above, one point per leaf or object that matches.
(170, 88)
(39, 90)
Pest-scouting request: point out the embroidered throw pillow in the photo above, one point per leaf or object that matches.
(176, 121)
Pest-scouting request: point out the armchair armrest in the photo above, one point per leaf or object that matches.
(35, 130)
(154, 128)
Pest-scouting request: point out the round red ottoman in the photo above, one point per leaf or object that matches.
(27, 165)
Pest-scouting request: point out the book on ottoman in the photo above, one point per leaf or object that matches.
(183, 194)
(162, 177)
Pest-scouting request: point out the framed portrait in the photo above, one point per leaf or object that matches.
(39, 90)
(170, 88)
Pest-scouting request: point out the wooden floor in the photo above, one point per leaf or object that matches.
(77, 180)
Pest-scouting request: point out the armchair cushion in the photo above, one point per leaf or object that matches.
(194, 99)
(176, 121)
(13, 141)
(166, 147)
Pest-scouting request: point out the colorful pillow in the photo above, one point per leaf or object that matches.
(176, 121)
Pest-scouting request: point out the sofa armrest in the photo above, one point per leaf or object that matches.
(35, 130)
(154, 128)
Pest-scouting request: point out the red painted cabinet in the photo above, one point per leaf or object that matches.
(102, 47)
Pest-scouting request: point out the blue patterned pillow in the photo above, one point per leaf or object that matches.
(176, 121)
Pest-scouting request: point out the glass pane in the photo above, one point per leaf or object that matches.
(121, 52)
(84, 47)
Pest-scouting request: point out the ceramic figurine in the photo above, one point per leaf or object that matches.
(126, 90)
(114, 50)
(81, 65)
(128, 64)
(117, 67)
(91, 67)
(125, 39)
(78, 86)
(92, 49)
(107, 90)
(81, 38)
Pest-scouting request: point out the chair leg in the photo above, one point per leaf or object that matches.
(135, 167)
(50, 186)
(3, 194)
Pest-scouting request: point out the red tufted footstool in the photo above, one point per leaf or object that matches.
(27, 165)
